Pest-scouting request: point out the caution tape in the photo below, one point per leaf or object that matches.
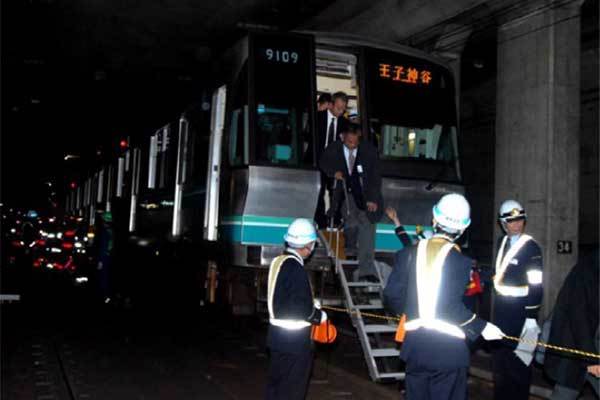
(513, 338)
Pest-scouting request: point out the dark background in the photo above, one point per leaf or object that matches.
(77, 77)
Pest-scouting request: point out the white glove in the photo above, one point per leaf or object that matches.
(529, 336)
(317, 304)
(492, 332)
(323, 316)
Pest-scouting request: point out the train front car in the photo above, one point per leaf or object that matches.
(268, 174)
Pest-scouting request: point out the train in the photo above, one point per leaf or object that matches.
(225, 180)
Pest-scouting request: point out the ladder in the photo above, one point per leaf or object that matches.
(376, 335)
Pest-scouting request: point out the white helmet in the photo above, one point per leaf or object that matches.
(452, 213)
(300, 233)
(511, 210)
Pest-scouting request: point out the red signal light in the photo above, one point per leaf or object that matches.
(123, 144)
(73, 185)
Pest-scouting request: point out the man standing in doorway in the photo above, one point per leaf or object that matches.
(330, 124)
(517, 300)
(331, 121)
(324, 102)
(356, 162)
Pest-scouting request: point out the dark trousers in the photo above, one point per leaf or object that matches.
(426, 384)
(288, 375)
(511, 377)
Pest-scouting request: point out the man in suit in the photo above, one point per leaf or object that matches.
(331, 121)
(357, 164)
(330, 124)
(324, 102)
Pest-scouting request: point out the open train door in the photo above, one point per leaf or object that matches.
(211, 204)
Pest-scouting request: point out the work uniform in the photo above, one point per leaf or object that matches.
(291, 312)
(517, 296)
(427, 285)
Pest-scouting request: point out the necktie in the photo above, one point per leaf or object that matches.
(351, 159)
(331, 132)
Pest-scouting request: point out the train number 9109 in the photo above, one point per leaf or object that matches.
(282, 56)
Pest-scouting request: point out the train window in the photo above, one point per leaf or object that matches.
(283, 100)
(153, 153)
(184, 152)
(337, 72)
(198, 119)
(166, 156)
(429, 143)
(412, 113)
(238, 120)
(278, 136)
(411, 106)
(238, 137)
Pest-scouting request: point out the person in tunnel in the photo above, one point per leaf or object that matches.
(292, 312)
(356, 163)
(331, 123)
(427, 286)
(324, 102)
(518, 291)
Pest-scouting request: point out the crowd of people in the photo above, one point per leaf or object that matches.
(427, 286)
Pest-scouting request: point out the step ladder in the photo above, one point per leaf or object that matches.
(376, 335)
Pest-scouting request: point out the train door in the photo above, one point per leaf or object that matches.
(337, 72)
(211, 209)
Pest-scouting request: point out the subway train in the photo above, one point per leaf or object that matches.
(220, 185)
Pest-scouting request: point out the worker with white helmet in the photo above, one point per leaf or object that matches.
(292, 311)
(427, 286)
(517, 300)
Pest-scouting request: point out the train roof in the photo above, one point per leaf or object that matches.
(347, 39)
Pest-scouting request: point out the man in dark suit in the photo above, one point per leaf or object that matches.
(324, 102)
(330, 124)
(357, 164)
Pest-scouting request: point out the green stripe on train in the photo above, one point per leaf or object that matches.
(267, 230)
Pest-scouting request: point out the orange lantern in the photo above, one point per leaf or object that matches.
(324, 333)
(401, 331)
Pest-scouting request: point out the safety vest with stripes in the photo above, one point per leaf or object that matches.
(429, 277)
(274, 269)
(502, 263)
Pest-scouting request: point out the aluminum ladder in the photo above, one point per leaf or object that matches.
(376, 335)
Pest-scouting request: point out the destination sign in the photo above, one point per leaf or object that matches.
(405, 74)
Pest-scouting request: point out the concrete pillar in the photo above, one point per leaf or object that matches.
(537, 130)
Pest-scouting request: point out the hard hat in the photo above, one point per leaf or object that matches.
(452, 213)
(511, 210)
(300, 233)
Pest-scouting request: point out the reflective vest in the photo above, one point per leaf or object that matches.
(503, 262)
(290, 324)
(429, 277)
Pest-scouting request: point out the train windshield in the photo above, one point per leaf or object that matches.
(412, 116)
(283, 100)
